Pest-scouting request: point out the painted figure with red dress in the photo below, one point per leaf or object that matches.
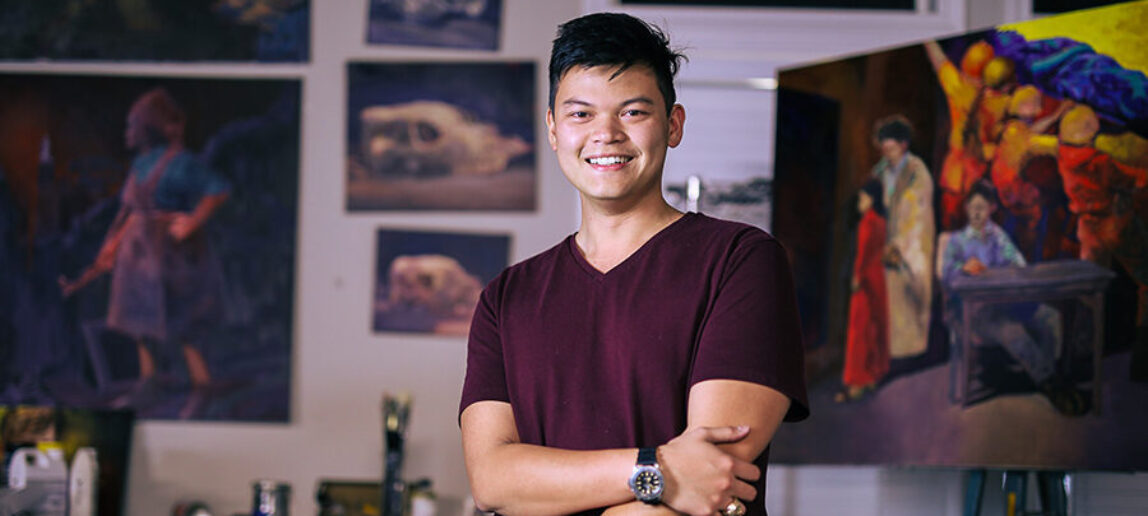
(867, 336)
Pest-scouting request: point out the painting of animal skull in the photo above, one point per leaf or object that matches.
(424, 139)
(430, 282)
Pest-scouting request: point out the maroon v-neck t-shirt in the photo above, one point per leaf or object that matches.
(591, 360)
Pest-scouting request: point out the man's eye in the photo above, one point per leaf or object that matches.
(579, 114)
(634, 112)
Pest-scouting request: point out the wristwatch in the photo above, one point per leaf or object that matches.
(646, 482)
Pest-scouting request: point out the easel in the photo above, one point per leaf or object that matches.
(1014, 486)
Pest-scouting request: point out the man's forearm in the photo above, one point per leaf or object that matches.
(515, 478)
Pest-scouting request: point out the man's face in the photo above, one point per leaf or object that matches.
(611, 134)
(979, 210)
(893, 150)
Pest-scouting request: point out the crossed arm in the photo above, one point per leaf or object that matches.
(729, 425)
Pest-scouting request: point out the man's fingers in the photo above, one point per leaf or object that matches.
(744, 491)
(724, 434)
(746, 470)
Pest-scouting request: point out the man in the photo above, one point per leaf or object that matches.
(651, 346)
(910, 234)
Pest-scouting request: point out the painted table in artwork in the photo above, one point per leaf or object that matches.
(1046, 281)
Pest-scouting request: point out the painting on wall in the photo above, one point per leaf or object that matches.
(975, 292)
(76, 433)
(748, 201)
(148, 229)
(441, 136)
(155, 30)
(429, 282)
(468, 24)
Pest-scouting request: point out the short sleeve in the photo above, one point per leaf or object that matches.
(202, 179)
(752, 331)
(485, 371)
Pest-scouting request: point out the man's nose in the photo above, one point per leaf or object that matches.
(608, 129)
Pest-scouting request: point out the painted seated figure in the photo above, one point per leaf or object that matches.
(1029, 332)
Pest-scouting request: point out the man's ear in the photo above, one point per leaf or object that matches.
(677, 124)
(550, 135)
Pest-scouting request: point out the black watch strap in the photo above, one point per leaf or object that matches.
(647, 456)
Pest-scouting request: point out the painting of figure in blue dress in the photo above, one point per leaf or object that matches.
(148, 230)
(429, 281)
(156, 30)
(441, 136)
(467, 24)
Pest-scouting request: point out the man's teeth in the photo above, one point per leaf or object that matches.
(609, 160)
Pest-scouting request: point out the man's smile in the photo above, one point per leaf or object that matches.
(608, 160)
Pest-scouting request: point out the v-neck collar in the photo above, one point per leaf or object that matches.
(584, 264)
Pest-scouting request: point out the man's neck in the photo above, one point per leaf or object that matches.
(607, 237)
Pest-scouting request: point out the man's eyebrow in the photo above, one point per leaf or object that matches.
(638, 100)
(635, 100)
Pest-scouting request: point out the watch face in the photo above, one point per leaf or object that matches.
(647, 484)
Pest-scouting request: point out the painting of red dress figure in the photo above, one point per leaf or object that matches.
(977, 293)
(441, 136)
(430, 281)
(156, 30)
(148, 228)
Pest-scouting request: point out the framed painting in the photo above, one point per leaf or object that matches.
(148, 252)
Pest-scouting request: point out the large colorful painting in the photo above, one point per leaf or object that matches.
(978, 293)
(148, 244)
(441, 136)
(156, 30)
(429, 282)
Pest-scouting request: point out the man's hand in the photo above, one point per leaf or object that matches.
(974, 267)
(893, 258)
(700, 477)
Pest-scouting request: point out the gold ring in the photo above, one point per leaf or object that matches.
(734, 508)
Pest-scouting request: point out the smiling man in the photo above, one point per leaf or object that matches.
(643, 364)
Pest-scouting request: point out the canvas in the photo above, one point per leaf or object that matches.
(469, 24)
(155, 30)
(429, 282)
(975, 294)
(441, 136)
(101, 290)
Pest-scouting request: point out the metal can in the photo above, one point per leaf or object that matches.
(269, 498)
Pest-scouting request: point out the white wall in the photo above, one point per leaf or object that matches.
(341, 368)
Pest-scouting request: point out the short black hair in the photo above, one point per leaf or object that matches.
(614, 39)
(895, 127)
(983, 188)
(875, 191)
